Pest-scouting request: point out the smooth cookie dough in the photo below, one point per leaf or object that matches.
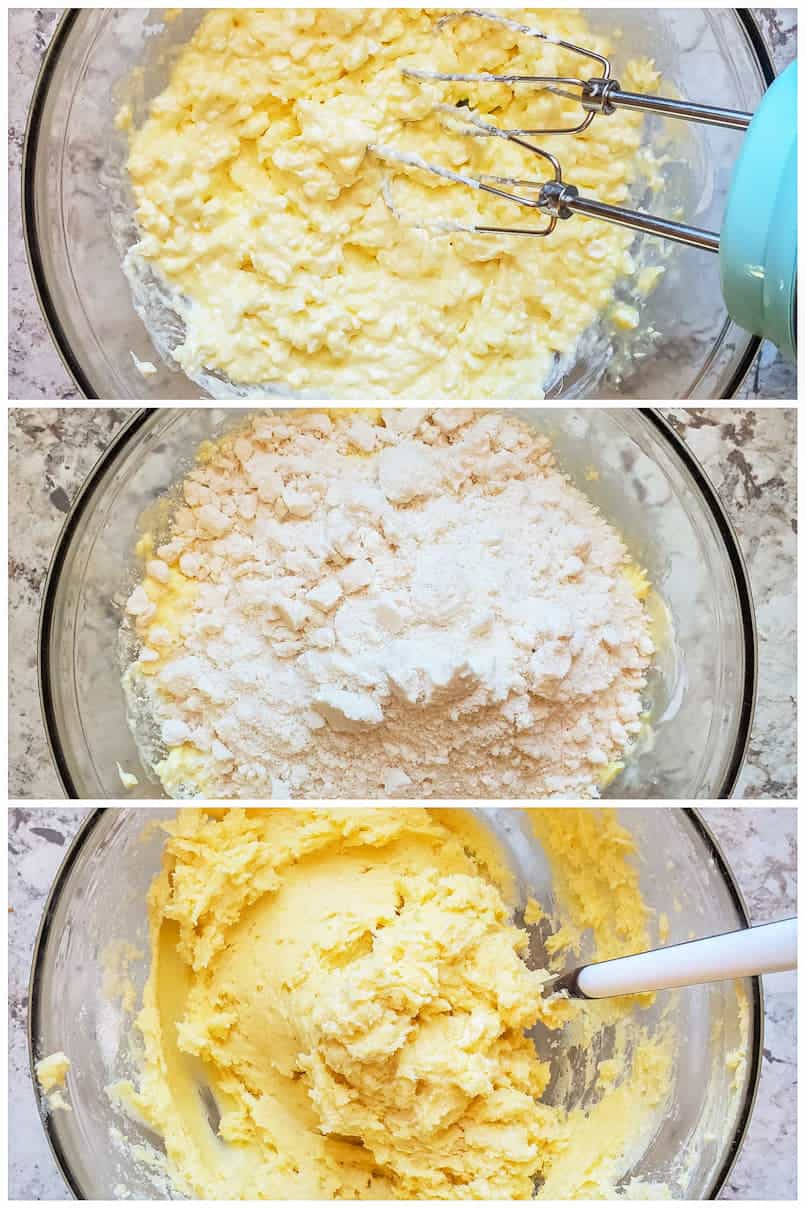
(302, 255)
(338, 1007)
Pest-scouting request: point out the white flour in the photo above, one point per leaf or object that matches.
(410, 603)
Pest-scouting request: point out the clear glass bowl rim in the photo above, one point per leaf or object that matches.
(33, 130)
(694, 817)
(663, 430)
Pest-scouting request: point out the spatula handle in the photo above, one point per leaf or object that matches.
(769, 948)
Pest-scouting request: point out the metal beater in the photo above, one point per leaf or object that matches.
(757, 246)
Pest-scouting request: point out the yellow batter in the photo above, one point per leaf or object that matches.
(51, 1074)
(259, 201)
(337, 1008)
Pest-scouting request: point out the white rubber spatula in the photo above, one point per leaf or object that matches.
(770, 948)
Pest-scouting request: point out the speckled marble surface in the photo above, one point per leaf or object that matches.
(51, 451)
(749, 454)
(759, 843)
(35, 369)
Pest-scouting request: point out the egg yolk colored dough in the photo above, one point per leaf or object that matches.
(51, 1074)
(338, 1007)
(304, 251)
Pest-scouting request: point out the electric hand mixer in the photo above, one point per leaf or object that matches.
(757, 246)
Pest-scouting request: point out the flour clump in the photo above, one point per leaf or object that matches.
(403, 602)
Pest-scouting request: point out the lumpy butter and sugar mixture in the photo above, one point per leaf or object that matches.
(399, 602)
(339, 1007)
(300, 257)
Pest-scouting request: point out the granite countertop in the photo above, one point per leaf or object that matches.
(35, 369)
(760, 844)
(750, 454)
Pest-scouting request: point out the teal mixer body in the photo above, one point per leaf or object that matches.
(758, 244)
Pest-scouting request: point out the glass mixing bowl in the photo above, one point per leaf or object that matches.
(630, 463)
(99, 899)
(78, 205)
